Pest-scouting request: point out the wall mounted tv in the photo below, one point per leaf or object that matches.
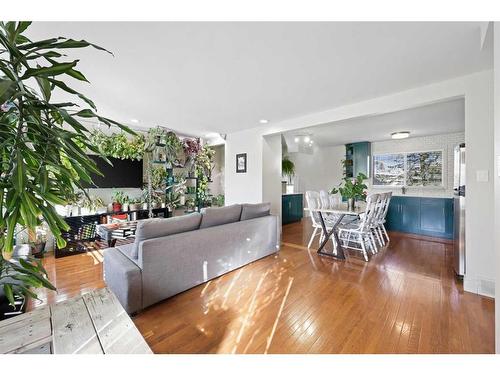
(123, 173)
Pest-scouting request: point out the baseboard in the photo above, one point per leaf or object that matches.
(484, 287)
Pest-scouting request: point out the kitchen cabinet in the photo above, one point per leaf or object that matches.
(421, 215)
(358, 159)
(292, 208)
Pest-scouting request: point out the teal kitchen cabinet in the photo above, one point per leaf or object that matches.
(358, 159)
(419, 215)
(292, 208)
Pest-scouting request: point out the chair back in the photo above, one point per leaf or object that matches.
(313, 202)
(372, 208)
(387, 200)
(325, 199)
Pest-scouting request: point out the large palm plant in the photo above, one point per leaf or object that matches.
(42, 143)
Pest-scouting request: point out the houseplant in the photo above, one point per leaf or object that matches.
(354, 189)
(118, 145)
(203, 168)
(37, 134)
(119, 199)
(287, 168)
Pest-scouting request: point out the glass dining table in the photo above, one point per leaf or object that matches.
(339, 211)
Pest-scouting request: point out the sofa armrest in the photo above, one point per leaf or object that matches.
(124, 278)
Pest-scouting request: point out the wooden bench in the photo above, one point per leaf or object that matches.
(94, 323)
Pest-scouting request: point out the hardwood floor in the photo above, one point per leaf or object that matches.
(405, 300)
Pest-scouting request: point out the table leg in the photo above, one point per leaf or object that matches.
(327, 235)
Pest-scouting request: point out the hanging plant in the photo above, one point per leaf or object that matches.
(117, 145)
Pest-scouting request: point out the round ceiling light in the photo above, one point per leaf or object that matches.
(134, 121)
(264, 121)
(296, 139)
(400, 135)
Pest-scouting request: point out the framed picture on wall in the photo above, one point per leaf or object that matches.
(415, 169)
(389, 170)
(241, 163)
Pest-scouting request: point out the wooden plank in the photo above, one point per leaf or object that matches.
(25, 331)
(116, 331)
(45, 348)
(73, 331)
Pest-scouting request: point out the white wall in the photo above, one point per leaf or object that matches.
(497, 176)
(244, 187)
(320, 170)
(271, 172)
(476, 89)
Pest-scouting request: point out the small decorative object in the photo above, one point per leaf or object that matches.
(241, 163)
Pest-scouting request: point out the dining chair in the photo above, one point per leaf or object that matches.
(313, 201)
(360, 233)
(382, 217)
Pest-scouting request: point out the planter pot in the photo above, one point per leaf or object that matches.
(182, 200)
(350, 204)
(125, 207)
(135, 206)
(163, 206)
(156, 205)
(144, 206)
(37, 250)
(110, 207)
(117, 207)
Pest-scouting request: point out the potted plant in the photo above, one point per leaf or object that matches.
(45, 145)
(119, 198)
(135, 204)
(354, 189)
(91, 204)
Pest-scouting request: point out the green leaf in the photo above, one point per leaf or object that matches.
(7, 88)
(7, 289)
(64, 87)
(22, 26)
(44, 87)
(19, 176)
(50, 71)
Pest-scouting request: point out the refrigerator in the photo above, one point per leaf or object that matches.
(459, 211)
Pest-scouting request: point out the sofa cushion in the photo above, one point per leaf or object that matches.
(253, 211)
(220, 215)
(153, 228)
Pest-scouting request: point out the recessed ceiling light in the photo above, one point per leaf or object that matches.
(312, 141)
(307, 139)
(134, 120)
(296, 139)
(263, 121)
(400, 135)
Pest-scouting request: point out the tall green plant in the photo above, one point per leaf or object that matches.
(354, 188)
(37, 134)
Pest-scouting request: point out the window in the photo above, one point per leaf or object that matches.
(415, 169)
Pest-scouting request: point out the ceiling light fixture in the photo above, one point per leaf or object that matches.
(263, 121)
(307, 139)
(296, 139)
(134, 121)
(400, 135)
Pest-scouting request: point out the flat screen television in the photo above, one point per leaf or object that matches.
(123, 173)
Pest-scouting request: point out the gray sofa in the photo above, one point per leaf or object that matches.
(172, 255)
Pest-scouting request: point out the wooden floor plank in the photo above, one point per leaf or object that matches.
(404, 300)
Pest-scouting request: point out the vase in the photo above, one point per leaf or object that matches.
(350, 204)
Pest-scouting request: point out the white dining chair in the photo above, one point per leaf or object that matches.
(360, 233)
(313, 201)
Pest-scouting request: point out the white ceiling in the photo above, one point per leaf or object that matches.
(438, 118)
(223, 77)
